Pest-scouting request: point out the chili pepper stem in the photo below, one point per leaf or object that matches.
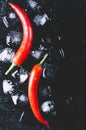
(44, 58)
(10, 68)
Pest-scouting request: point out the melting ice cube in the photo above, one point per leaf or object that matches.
(6, 55)
(47, 106)
(41, 19)
(8, 87)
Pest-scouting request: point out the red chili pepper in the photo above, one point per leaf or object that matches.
(26, 43)
(32, 91)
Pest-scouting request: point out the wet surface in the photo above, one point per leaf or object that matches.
(59, 29)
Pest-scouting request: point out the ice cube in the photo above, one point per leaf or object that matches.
(34, 5)
(6, 55)
(21, 117)
(9, 18)
(46, 92)
(36, 54)
(15, 98)
(21, 75)
(47, 106)
(49, 71)
(4, 19)
(41, 19)
(12, 15)
(14, 38)
(15, 73)
(23, 98)
(42, 48)
(8, 87)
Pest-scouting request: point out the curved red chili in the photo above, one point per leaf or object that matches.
(32, 91)
(26, 43)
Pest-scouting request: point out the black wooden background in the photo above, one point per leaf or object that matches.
(69, 20)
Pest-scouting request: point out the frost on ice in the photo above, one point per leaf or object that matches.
(41, 19)
(13, 38)
(6, 55)
(8, 87)
(47, 106)
(21, 75)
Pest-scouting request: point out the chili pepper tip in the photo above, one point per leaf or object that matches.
(44, 58)
(48, 126)
(10, 68)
